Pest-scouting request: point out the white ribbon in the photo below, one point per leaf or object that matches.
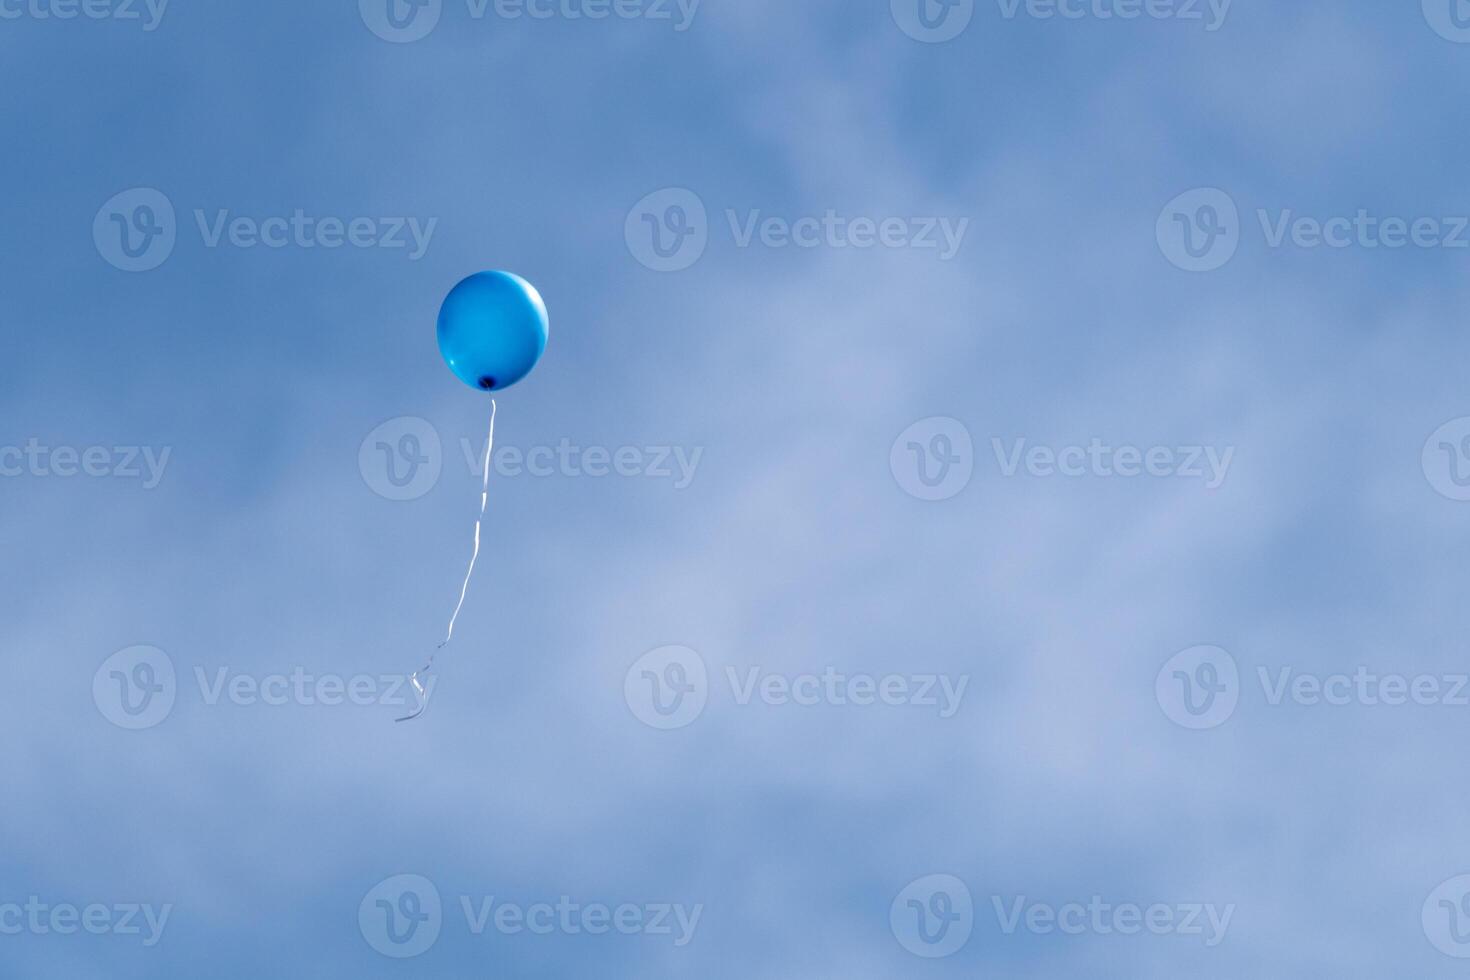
(420, 691)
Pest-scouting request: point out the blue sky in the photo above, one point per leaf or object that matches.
(948, 589)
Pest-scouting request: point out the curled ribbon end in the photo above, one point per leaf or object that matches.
(421, 694)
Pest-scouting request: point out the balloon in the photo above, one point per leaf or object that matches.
(492, 329)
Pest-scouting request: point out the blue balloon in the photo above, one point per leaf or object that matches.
(492, 330)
